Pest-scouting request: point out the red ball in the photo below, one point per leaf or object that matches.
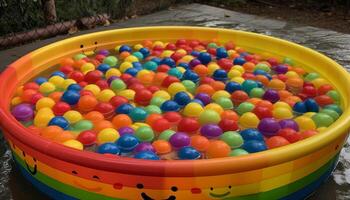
(163, 68)
(172, 117)
(225, 64)
(125, 77)
(228, 125)
(230, 45)
(60, 108)
(66, 69)
(272, 61)
(181, 42)
(160, 125)
(137, 87)
(169, 80)
(158, 48)
(303, 96)
(212, 51)
(153, 88)
(188, 125)
(156, 53)
(31, 85)
(176, 56)
(239, 96)
(282, 77)
(307, 134)
(310, 91)
(248, 75)
(93, 76)
(116, 101)
(83, 83)
(87, 138)
(106, 109)
(170, 46)
(193, 43)
(323, 100)
(102, 84)
(36, 98)
(206, 80)
(323, 89)
(262, 112)
(276, 141)
(86, 92)
(100, 57)
(131, 81)
(249, 58)
(77, 76)
(143, 97)
(289, 134)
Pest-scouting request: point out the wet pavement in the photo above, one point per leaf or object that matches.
(333, 44)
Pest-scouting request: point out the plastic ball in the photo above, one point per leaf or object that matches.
(161, 125)
(204, 57)
(144, 146)
(71, 97)
(108, 148)
(146, 155)
(179, 139)
(238, 152)
(182, 98)
(50, 132)
(82, 125)
(305, 123)
(331, 113)
(23, 112)
(322, 120)
(87, 103)
(248, 85)
(239, 96)
(271, 95)
(87, 138)
(249, 120)
(107, 135)
(276, 141)
(218, 149)
(188, 125)
(220, 75)
(233, 139)
(244, 107)
(75, 144)
(143, 97)
(188, 153)
(203, 97)
(161, 146)
(144, 133)
(253, 146)
(289, 134)
(289, 123)
(311, 105)
(59, 121)
(172, 117)
(72, 116)
(110, 60)
(47, 88)
(282, 113)
(211, 131)
(192, 110)
(269, 127)
(165, 135)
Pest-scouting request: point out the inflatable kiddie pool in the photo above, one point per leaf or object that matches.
(290, 172)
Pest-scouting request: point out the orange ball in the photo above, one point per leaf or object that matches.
(64, 136)
(229, 114)
(218, 149)
(307, 133)
(291, 100)
(159, 77)
(201, 70)
(147, 43)
(27, 95)
(78, 63)
(263, 79)
(254, 101)
(266, 104)
(162, 146)
(87, 103)
(102, 124)
(299, 70)
(67, 62)
(295, 82)
(152, 118)
(205, 88)
(276, 84)
(276, 141)
(124, 54)
(248, 67)
(51, 132)
(94, 116)
(121, 120)
(147, 79)
(200, 143)
(56, 96)
(218, 85)
(284, 94)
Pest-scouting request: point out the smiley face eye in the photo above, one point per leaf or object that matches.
(229, 186)
(74, 172)
(96, 177)
(81, 46)
(95, 42)
(174, 188)
(211, 188)
(139, 186)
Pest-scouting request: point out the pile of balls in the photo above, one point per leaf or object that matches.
(187, 99)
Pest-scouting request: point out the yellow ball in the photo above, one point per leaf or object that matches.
(214, 106)
(158, 43)
(105, 95)
(42, 118)
(212, 67)
(142, 73)
(139, 124)
(131, 59)
(93, 88)
(47, 88)
(107, 135)
(239, 68)
(175, 88)
(181, 69)
(318, 82)
(239, 80)
(67, 82)
(75, 144)
(138, 47)
(220, 93)
(187, 58)
(124, 66)
(87, 67)
(16, 101)
(117, 48)
(309, 114)
(282, 113)
(193, 110)
(166, 53)
(230, 53)
(162, 94)
(113, 72)
(182, 51)
(291, 74)
(234, 73)
(44, 102)
(305, 123)
(129, 94)
(248, 120)
(73, 116)
(281, 104)
(56, 80)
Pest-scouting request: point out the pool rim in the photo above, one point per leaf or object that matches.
(177, 167)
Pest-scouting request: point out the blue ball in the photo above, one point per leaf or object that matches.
(58, 73)
(204, 57)
(124, 109)
(248, 85)
(253, 146)
(239, 61)
(195, 53)
(108, 147)
(260, 72)
(75, 87)
(138, 114)
(190, 75)
(156, 60)
(232, 86)
(132, 71)
(299, 107)
(170, 105)
(40, 80)
(103, 67)
(188, 153)
(182, 98)
(137, 65)
(198, 101)
(150, 65)
(221, 53)
(251, 134)
(311, 105)
(144, 51)
(184, 65)
(168, 61)
(220, 75)
(244, 54)
(125, 48)
(127, 142)
(146, 155)
(71, 97)
(59, 121)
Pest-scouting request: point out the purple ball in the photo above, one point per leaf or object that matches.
(179, 139)
(289, 123)
(271, 95)
(194, 62)
(211, 131)
(203, 97)
(269, 127)
(104, 52)
(144, 146)
(125, 130)
(281, 69)
(110, 79)
(23, 112)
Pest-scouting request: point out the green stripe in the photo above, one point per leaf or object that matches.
(67, 189)
(290, 188)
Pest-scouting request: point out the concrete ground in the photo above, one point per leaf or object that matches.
(333, 44)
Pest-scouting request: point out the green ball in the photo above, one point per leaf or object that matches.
(262, 66)
(334, 95)
(334, 107)
(157, 101)
(232, 138)
(175, 72)
(209, 117)
(212, 45)
(150, 65)
(118, 85)
(256, 92)
(153, 109)
(79, 56)
(322, 119)
(238, 152)
(144, 133)
(311, 76)
(189, 85)
(331, 113)
(165, 135)
(138, 55)
(288, 61)
(244, 107)
(225, 103)
(82, 125)
(110, 60)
